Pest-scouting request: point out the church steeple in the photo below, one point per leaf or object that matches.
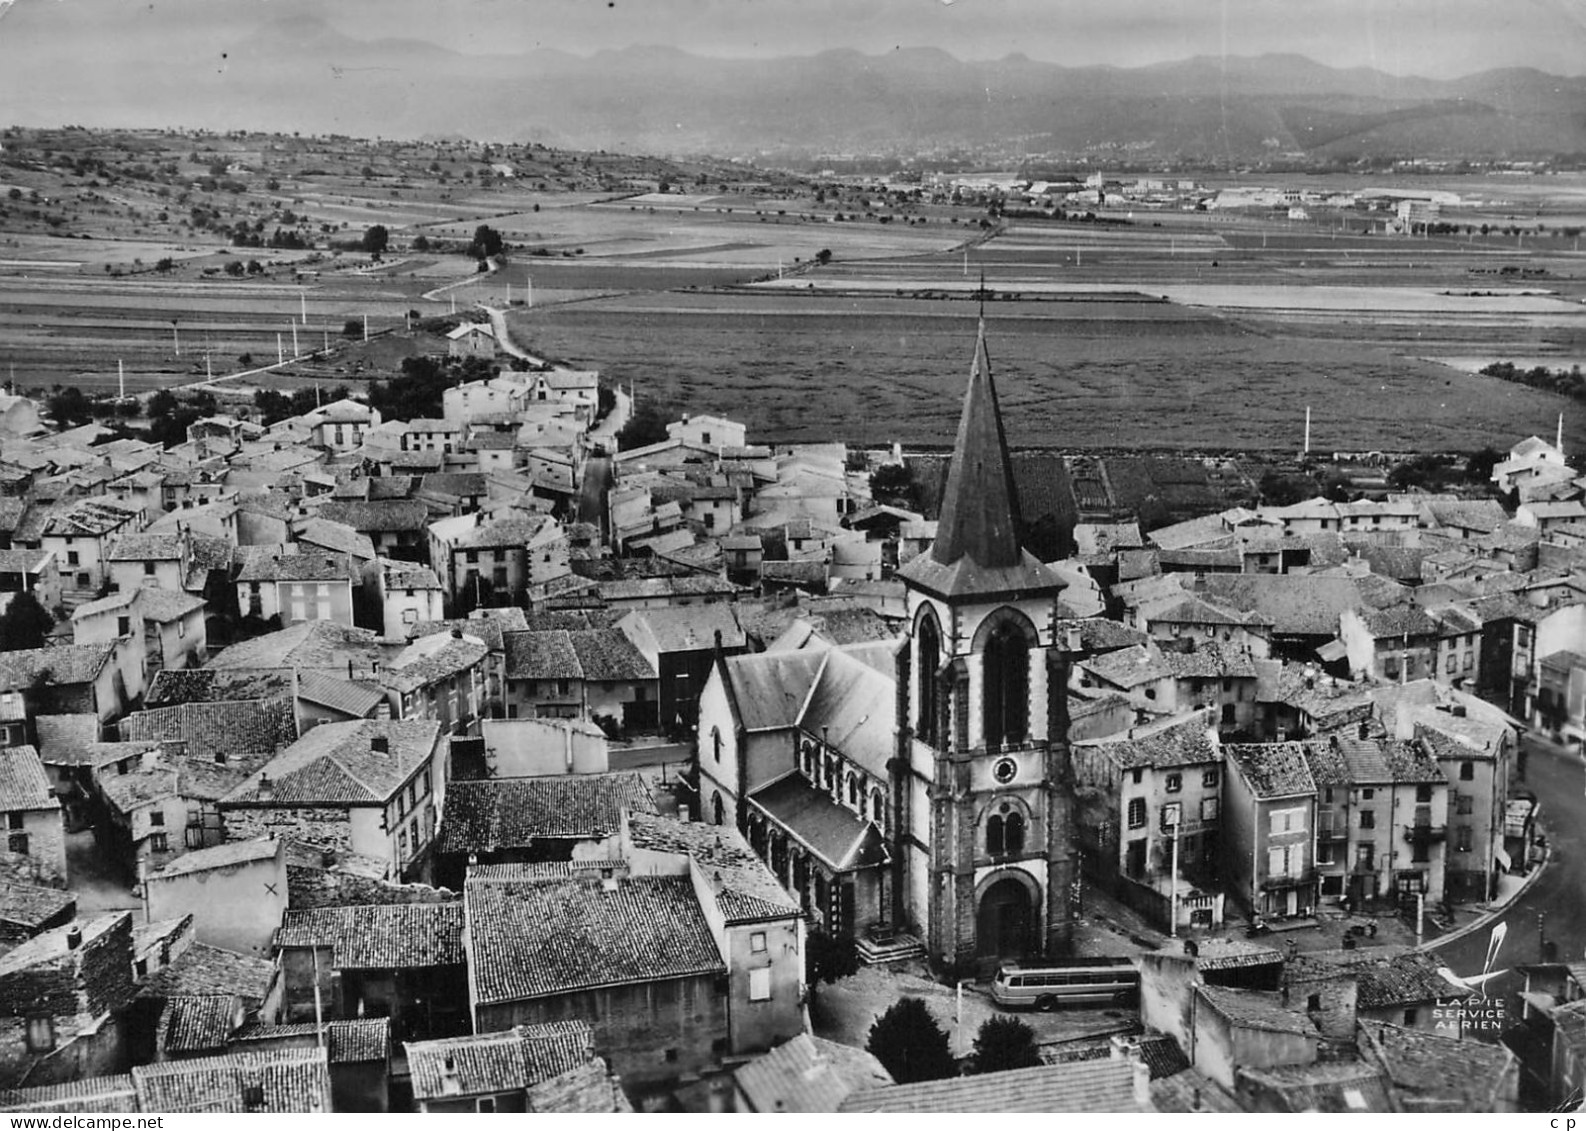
(977, 549)
(980, 509)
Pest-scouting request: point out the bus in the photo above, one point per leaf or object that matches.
(1072, 982)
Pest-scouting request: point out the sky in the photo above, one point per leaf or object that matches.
(1432, 38)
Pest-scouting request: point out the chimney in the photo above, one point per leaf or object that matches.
(380, 744)
(74, 938)
(382, 709)
(266, 791)
(349, 667)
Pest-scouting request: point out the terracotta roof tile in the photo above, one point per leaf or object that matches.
(389, 936)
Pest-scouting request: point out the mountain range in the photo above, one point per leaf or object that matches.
(304, 75)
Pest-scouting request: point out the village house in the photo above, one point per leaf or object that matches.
(81, 536)
(535, 820)
(1269, 825)
(396, 526)
(506, 1071)
(407, 595)
(341, 425)
(1148, 801)
(471, 339)
(636, 957)
(405, 961)
(235, 893)
(306, 585)
(163, 628)
(372, 787)
(485, 562)
(71, 679)
(33, 816)
(680, 644)
(580, 674)
(29, 571)
(1381, 821)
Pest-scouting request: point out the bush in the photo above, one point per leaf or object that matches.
(1004, 1043)
(910, 1044)
(352, 328)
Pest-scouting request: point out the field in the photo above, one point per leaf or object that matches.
(809, 316)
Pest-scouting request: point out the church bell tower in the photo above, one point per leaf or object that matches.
(984, 716)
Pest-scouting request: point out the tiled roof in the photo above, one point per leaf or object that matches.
(337, 762)
(1129, 667)
(203, 970)
(1443, 1073)
(1391, 981)
(320, 644)
(532, 940)
(1273, 769)
(514, 812)
(431, 658)
(349, 1042)
(23, 561)
(336, 537)
(1178, 741)
(487, 1063)
(146, 547)
(504, 533)
(408, 575)
(1210, 660)
(834, 834)
(808, 1074)
(66, 663)
(197, 1024)
(691, 628)
(349, 697)
(388, 936)
(606, 655)
(283, 1081)
(244, 732)
(769, 688)
(29, 906)
(1085, 1086)
(590, 1089)
(488, 625)
(218, 856)
(307, 564)
(747, 889)
(541, 655)
(130, 791)
(851, 706)
(1099, 634)
(107, 1094)
(23, 782)
(1325, 1086)
(1257, 1009)
(393, 515)
(1295, 604)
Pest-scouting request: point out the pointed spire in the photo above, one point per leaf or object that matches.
(980, 510)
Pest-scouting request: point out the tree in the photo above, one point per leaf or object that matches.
(487, 243)
(24, 624)
(1004, 1043)
(910, 1044)
(68, 407)
(647, 425)
(421, 242)
(375, 240)
(352, 328)
(1279, 490)
(824, 255)
(1478, 468)
(826, 959)
(892, 483)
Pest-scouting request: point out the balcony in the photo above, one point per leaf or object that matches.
(1299, 879)
(1425, 834)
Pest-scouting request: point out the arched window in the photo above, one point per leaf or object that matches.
(927, 690)
(715, 744)
(1005, 715)
(853, 789)
(878, 809)
(1013, 835)
(809, 763)
(716, 809)
(831, 775)
(1005, 831)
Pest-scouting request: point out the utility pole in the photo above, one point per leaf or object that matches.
(176, 338)
(1172, 919)
(366, 327)
(280, 351)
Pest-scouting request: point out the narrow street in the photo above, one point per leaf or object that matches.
(1552, 908)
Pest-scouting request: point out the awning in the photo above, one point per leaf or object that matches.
(1332, 651)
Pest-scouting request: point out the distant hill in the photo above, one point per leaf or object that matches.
(303, 75)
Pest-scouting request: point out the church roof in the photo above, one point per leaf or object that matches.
(977, 549)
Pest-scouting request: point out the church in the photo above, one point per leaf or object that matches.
(945, 813)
